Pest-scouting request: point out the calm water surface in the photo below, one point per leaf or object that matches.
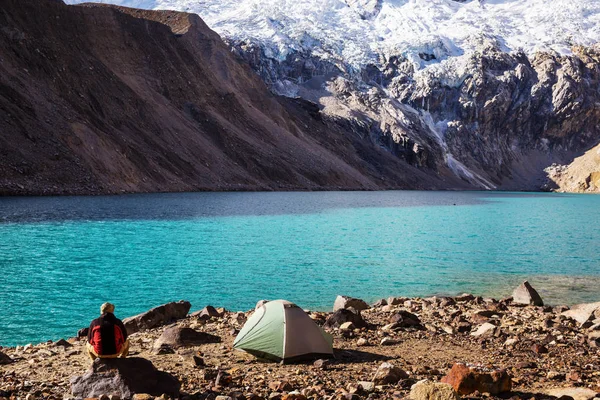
(61, 258)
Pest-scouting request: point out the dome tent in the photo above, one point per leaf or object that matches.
(281, 331)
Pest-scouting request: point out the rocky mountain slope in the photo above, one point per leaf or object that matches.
(98, 99)
(495, 91)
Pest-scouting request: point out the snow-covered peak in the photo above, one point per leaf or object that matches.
(358, 32)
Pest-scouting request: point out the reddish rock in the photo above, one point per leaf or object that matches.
(466, 380)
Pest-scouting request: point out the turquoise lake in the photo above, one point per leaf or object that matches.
(61, 257)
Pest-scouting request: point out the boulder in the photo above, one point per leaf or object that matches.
(5, 359)
(525, 294)
(577, 393)
(157, 316)
(428, 390)
(206, 313)
(388, 374)
(342, 302)
(176, 337)
(404, 319)
(339, 317)
(468, 379)
(123, 377)
(582, 312)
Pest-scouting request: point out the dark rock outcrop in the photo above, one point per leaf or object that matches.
(157, 316)
(123, 377)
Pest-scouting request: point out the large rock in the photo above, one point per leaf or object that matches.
(342, 302)
(157, 316)
(176, 337)
(388, 374)
(428, 390)
(405, 319)
(582, 312)
(342, 316)
(577, 393)
(5, 359)
(525, 294)
(468, 379)
(123, 377)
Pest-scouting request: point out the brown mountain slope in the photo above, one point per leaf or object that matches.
(98, 99)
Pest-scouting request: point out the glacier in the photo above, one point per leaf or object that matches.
(362, 32)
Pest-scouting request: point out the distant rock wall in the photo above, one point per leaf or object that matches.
(495, 119)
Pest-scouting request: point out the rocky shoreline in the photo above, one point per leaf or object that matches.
(396, 348)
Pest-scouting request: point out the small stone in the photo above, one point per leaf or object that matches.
(576, 393)
(511, 342)
(525, 294)
(555, 376)
(448, 329)
(63, 343)
(5, 359)
(322, 363)
(486, 329)
(388, 374)
(428, 390)
(367, 386)
(362, 342)
(388, 341)
(395, 301)
(30, 397)
(347, 326)
(293, 396)
(142, 396)
(539, 348)
(281, 386)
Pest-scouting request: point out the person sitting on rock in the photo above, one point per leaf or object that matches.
(107, 336)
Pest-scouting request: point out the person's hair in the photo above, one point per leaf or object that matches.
(107, 307)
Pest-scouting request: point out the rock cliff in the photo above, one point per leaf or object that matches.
(497, 119)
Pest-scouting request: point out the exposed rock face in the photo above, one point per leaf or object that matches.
(157, 316)
(526, 294)
(466, 380)
(123, 377)
(349, 302)
(99, 99)
(176, 337)
(495, 119)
